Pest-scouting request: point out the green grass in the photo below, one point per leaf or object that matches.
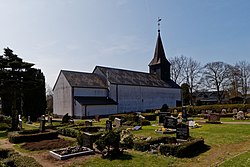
(132, 159)
(215, 134)
(242, 160)
(3, 134)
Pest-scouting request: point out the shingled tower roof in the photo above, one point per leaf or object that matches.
(159, 54)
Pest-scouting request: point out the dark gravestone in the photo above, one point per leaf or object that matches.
(87, 140)
(66, 118)
(170, 122)
(50, 120)
(88, 123)
(184, 114)
(42, 123)
(162, 116)
(182, 131)
(108, 125)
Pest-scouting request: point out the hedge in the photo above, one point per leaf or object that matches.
(15, 137)
(15, 159)
(194, 110)
(185, 149)
(149, 116)
(141, 146)
(71, 132)
(89, 128)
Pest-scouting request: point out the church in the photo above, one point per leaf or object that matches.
(108, 90)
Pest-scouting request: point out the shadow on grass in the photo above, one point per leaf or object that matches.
(124, 156)
(3, 134)
(201, 150)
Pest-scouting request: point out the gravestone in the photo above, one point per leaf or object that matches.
(87, 140)
(29, 121)
(20, 122)
(97, 118)
(240, 115)
(108, 125)
(137, 128)
(117, 122)
(162, 116)
(170, 122)
(50, 120)
(224, 111)
(182, 131)
(88, 123)
(42, 123)
(235, 110)
(184, 114)
(213, 118)
(191, 123)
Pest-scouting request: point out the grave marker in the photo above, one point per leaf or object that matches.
(108, 125)
(42, 123)
(182, 131)
(162, 116)
(117, 122)
(170, 122)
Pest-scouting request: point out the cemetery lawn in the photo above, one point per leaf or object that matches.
(228, 145)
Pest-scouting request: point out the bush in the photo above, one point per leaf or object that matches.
(15, 137)
(141, 146)
(149, 116)
(30, 131)
(12, 159)
(185, 149)
(89, 128)
(145, 122)
(65, 131)
(4, 126)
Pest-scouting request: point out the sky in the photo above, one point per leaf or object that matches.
(77, 35)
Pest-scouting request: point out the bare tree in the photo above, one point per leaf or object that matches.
(192, 71)
(215, 76)
(177, 67)
(234, 78)
(244, 68)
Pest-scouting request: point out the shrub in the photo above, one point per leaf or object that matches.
(4, 126)
(15, 137)
(145, 122)
(90, 128)
(65, 131)
(4, 153)
(185, 149)
(30, 131)
(141, 146)
(149, 116)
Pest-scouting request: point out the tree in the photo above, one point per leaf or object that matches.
(215, 77)
(176, 69)
(192, 70)
(244, 68)
(49, 99)
(22, 88)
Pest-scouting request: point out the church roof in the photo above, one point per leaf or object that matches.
(82, 79)
(127, 77)
(159, 54)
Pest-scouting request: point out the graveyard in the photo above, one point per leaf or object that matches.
(162, 140)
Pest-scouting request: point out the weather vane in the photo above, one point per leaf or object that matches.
(159, 23)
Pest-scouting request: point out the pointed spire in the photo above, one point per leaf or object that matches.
(159, 54)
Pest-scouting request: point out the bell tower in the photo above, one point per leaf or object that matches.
(159, 65)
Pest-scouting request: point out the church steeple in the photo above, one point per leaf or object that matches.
(159, 65)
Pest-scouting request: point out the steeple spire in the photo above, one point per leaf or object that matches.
(159, 65)
(159, 24)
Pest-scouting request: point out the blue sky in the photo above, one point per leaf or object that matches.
(80, 34)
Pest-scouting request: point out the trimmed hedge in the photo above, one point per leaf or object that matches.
(71, 132)
(149, 116)
(15, 137)
(15, 159)
(30, 131)
(185, 149)
(141, 146)
(194, 110)
(89, 128)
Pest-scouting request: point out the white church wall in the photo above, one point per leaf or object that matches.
(140, 98)
(90, 92)
(92, 110)
(62, 97)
